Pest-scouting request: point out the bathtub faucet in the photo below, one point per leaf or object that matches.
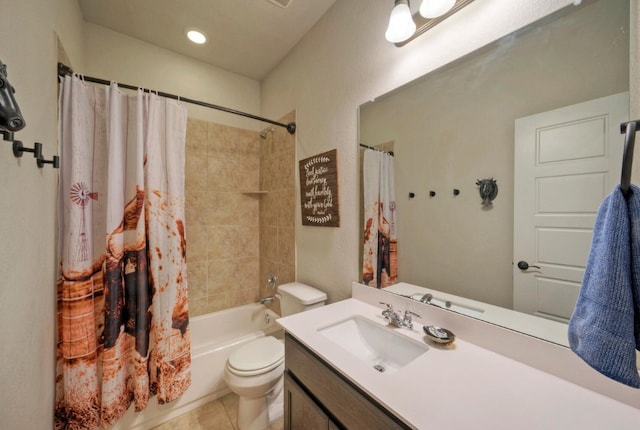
(269, 299)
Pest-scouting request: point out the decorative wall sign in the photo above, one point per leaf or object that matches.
(319, 190)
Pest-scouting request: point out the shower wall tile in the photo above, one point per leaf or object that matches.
(195, 172)
(222, 222)
(196, 208)
(287, 207)
(249, 272)
(196, 136)
(248, 209)
(218, 301)
(222, 208)
(197, 305)
(223, 242)
(286, 245)
(197, 279)
(222, 275)
(269, 242)
(278, 168)
(237, 237)
(248, 241)
(196, 243)
(269, 209)
(286, 175)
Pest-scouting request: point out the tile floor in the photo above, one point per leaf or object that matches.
(220, 414)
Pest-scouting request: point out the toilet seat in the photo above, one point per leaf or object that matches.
(256, 357)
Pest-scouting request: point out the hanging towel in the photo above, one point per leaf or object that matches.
(604, 329)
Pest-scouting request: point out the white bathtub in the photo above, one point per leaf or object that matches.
(213, 337)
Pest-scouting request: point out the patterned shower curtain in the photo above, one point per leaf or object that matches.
(123, 323)
(379, 262)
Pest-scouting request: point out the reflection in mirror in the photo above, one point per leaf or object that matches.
(469, 121)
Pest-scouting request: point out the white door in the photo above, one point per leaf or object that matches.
(566, 162)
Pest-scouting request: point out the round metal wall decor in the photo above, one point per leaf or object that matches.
(488, 190)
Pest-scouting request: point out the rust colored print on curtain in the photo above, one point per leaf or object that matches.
(123, 324)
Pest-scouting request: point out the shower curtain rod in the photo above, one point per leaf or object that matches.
(64, 70)
(376, 149)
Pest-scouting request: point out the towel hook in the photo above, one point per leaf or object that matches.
(629, 128)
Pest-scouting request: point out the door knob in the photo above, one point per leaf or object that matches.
(523, 265)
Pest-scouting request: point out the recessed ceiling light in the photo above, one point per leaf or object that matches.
(196, 36)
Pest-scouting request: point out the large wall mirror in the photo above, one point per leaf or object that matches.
(549, 96)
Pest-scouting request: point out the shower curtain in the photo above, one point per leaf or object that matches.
(379, 262)
(123, 324)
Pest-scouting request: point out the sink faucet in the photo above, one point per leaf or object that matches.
(394, 319)
(427, 298)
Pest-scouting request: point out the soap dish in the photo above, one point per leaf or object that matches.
(439, 334)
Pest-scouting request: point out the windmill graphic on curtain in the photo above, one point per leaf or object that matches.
(81, 196)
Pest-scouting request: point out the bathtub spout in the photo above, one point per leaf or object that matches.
(269, 299)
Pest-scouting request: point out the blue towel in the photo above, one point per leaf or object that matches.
(604, 329)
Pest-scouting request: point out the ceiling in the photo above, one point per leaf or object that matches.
(248, 37)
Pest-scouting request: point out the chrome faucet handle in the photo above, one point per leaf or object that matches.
(407, 318)
(389, 314)
(388, 305)
(408, 313)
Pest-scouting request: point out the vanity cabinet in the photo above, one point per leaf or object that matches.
(318, 397)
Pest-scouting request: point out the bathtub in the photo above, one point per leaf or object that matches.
(213, 337)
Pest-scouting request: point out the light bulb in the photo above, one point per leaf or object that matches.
(196, 36)
(435, 8)
(401, 25)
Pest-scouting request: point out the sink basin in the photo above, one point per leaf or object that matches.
(379, 347)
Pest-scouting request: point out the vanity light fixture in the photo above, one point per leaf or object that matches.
(404, 27)
(435, 8)
(196, 36)
(401, 25)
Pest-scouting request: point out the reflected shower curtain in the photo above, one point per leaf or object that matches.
(123, 325)
(379, 262)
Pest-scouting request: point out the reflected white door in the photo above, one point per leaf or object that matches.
(566, 162)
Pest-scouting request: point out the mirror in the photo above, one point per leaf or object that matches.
(456, 125)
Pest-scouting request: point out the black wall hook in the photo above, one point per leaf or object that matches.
(432, 193)
(55, 162)
(19, 149)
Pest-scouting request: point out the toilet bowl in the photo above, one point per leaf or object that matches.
(255, 371)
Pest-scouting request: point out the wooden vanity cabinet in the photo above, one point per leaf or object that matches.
(317, 397)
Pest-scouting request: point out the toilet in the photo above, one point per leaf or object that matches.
(255, 371)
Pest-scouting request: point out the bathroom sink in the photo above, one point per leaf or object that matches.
(380, 347)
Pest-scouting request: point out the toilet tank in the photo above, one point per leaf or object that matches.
(298, 297)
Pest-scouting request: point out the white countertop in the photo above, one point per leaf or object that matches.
(461, 386)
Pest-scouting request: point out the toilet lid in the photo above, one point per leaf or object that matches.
(257, 356)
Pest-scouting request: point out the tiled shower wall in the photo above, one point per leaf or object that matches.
(236, 236)
(278, 207)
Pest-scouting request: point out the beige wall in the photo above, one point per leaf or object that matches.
(115, 56)
(457, 126)
(28, 195)
(345, 61)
